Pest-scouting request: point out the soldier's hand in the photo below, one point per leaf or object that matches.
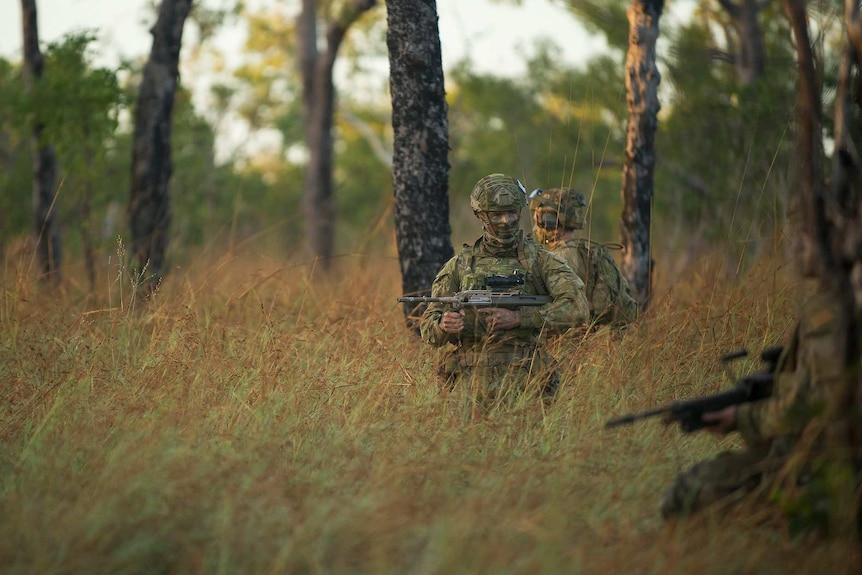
(452, 321)
(500, 319)
(722, 421)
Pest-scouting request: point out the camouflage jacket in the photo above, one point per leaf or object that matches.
(609, 295)
(546, 274)
(808, 374)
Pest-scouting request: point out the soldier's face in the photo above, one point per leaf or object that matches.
(546, 219)
(545, 225)
(502, 225)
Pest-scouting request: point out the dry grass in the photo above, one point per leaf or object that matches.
(246, 421)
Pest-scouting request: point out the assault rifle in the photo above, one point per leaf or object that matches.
(492, 296)
(689, 414)
(481, 298)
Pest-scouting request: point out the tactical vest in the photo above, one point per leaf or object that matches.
(473, 266)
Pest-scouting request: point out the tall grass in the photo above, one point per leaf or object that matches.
(247, 420)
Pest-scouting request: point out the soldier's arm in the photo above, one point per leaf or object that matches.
(569, 307)
(429, 326)
(801, 390)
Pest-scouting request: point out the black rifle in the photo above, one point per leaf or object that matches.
(689, 414)
(492, 296)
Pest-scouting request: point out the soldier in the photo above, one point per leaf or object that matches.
(808, 376)
(558, 216)
(498, 351)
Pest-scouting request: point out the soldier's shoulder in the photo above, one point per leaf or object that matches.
(534, 249)
(465, 251)
(468, 249)
(450, 264)
(556, 259)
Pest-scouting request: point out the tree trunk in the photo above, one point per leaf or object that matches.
(149, 200)
(845, 277)
(318, 110)
(750, 58)
(420, 168)
(831, 249)
(642, 81)
(44, 158)
(815, 255)
(87, 214)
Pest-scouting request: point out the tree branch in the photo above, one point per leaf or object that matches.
(370, 136)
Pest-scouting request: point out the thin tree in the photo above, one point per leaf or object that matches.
(318, 95)
(420, 169)
(45, 187)
(149, 201)
(750, 55)
(642, 82)
(816, 257)
(846, 239)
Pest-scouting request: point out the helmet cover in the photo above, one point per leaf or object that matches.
(498, 193)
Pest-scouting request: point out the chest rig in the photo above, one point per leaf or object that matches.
(520, 273)
(517, 273)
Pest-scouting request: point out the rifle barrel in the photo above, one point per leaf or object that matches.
(632, 417)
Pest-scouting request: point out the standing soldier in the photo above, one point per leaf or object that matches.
(558, 216)
(496, 352)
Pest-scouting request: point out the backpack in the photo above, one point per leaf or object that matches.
(611, 299)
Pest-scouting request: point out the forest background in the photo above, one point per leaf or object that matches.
(248, 420)
(238, 151)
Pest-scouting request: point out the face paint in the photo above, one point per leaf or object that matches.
(503, 225)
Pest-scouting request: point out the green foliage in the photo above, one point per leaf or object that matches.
(726, 148)
(267, 90)
(724, 151)
(363, 178)
(195, 192)
(268, 76)
(16, 174)
(826, 489)
(79, 106)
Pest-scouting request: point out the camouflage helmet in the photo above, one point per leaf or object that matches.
(558, 208)
(498, 193)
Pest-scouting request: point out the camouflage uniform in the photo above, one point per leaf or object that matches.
(809, 370)
(556, 214)
(495, 364)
